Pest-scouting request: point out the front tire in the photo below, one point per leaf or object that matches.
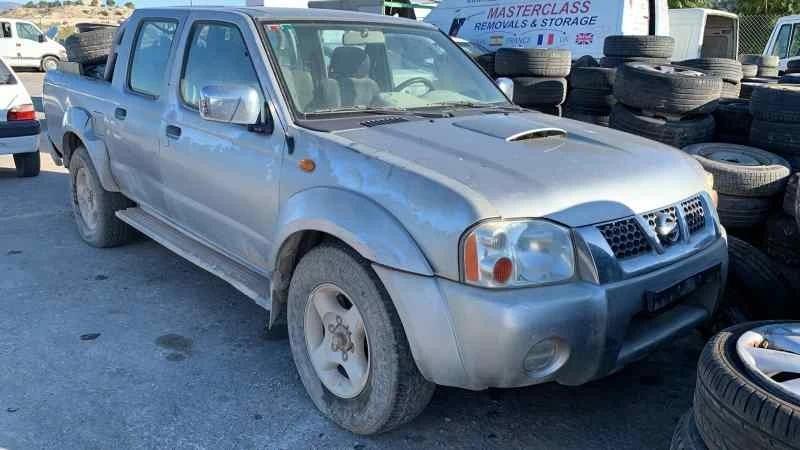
(95, 208)
(49, 63)
(362, 375)
(27, 164)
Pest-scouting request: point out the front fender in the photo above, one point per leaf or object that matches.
(80, 122)
(356, 220)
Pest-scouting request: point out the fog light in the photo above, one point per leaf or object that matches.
(545, 357)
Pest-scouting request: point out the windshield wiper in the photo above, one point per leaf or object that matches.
(359, 109)
(474, 105)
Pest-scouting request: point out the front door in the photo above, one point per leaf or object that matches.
(29, 45)
(221, 179)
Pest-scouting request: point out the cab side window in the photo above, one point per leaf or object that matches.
(5, 30)
(782, 42)
(794, 48)
(216, 55)
(150, 56)
(27, 31)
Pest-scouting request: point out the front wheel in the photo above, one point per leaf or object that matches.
(49, 63)
(349, 346)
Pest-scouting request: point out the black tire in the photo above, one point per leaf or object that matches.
(395, 392)
(687, 436)
(612, 62)
(90, 46)
(667, 89)
(791, 196)
(729, 70)
(781, 138)
(680, 133)
(486, 61)
(759, 60)
(776, 103)
(731, 90)
(536, 62)
(553, 110)
(746, 89)
(647, 46)
(591, 101)
(49, 62)
(585, 61)
(84, 27)
(533, 90)
(732, 138)
(742, 171)
(792, 78)
(768, 72)
(783, 239)
(793, 64)
(749, 70)
(794, 160)
(109, 231)
(27, 164)
(594, 119)
(598, 78)
(733, 409)
(743, 212)
(733, 117)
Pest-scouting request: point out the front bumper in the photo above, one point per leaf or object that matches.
(477, 338)
(19, 137)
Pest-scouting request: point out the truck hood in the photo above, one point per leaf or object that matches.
(534, 165)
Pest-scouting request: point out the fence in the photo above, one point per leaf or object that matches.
(754, 32)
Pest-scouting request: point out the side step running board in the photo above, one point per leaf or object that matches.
(251, 284)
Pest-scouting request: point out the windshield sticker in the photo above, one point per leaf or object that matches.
(275, 27)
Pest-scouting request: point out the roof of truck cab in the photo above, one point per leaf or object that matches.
(299, 14)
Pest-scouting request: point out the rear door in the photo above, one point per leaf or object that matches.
(141, 79)
(221, 179)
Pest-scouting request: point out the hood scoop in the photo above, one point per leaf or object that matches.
(384, 121)
(509, 128)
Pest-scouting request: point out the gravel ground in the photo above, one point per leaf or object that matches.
(136, 348)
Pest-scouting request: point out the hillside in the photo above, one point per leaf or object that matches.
(65, 17)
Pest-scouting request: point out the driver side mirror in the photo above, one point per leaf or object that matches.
(236, 104)
(506, 85)
(42, 38)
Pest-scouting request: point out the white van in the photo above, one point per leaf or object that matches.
(22, 44)
(704, 33)
(578, 25)
(785, 40)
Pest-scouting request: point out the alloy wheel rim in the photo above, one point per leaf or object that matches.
(772, 354)
(336, 341)
(87, 206)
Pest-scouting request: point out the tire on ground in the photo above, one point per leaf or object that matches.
(741, 170)
(781, 138)
(536, 62)
(686, 435)
(599, 78)
(743, 212)
(680, 133)
(109, 231)
(535, 90)
(647, 46)
(783, 239)
(90, 46)
(667, 89)
(776, 103)
(27, 164)
(733, 409)
(395, 392)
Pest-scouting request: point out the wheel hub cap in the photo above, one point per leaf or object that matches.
(87, 206)
(336, 341)
(772, 354)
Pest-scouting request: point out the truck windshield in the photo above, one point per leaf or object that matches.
(339, 68)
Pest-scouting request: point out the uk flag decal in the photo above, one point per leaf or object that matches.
(584, 38)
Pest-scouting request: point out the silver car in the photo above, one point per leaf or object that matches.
(409, 230)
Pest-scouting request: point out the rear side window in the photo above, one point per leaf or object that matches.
(5, 30)
(151, 55)
(782, 42)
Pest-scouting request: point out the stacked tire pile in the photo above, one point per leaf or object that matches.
(733, 121)
(665, 103)
(539, 76)
(776, 120)
(729, 70)
(619, 50)
(89, 48)
(746, 395)
(591, 94)
(757, 70)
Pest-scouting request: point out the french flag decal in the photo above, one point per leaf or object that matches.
(548, 39)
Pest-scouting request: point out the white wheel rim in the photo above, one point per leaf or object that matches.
(50, 64)
(738, 158)
(87, 206)
(772, 353)
(337, 341)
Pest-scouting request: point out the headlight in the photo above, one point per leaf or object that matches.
(514, 253)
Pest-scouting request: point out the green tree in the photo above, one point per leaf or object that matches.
(93, 3)
(30, 5)
(781, 7)
(130, 5)
(689, 3)
(111, 3)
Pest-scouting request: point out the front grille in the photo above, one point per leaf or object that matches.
(672, 214)
(695, 214)
(626, 238)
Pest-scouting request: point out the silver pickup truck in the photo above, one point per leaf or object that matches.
(360, 178)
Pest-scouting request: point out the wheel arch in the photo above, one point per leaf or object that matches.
(79, 131)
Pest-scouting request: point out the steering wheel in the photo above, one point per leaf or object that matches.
(400, 87)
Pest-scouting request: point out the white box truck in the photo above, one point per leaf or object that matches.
(704, 33)
(578, 25)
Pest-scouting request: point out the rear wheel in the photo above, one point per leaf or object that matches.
(349, 346)
(49, 63)
(27, 164)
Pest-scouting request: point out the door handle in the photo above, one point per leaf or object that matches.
(173, 132)
(19, 44)
(120, 113)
